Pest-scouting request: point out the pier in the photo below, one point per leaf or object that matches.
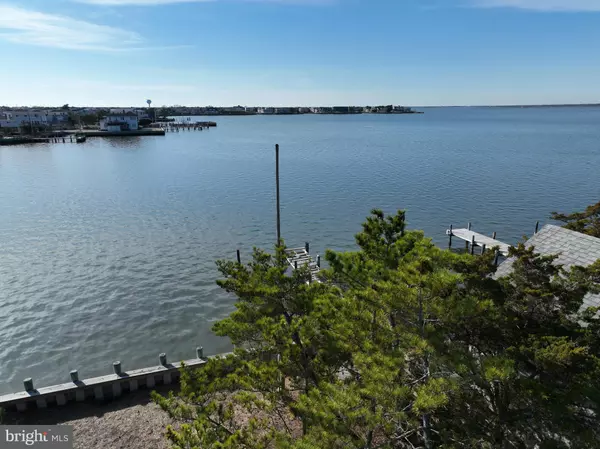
(474, 239)
(186, 126)
(136, 132)
(300, 257)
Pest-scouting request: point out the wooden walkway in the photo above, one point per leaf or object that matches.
(476, 239)
(299, 257)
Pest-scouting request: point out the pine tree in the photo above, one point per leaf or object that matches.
(586, 222)
(403, 345)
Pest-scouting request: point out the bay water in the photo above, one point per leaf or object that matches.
(108, 248)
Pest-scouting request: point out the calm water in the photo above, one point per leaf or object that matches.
(107, 249)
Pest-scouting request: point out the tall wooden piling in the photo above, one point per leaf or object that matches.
(239, 257)
(450, 238)
(537, 226)
(277, 187)
(473, 246)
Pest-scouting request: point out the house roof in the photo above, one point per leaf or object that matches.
(573, 249)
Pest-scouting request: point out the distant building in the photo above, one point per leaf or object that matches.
(18, 118)
(116, 122)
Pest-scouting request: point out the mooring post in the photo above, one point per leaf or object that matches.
(295, 264)
(318, 261)
(483, 249)
(473, 245)
(28, 384)
(163, 359)
(307, 247)
(117, 368)
(199, 352)
(277, 187)
(466, 245)
(494, 235)
(496, 257)
(74, 375)
(537, 226)
(239, 257)
(469, 226)
(450, 238)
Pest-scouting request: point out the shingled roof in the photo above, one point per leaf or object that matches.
(573, 248)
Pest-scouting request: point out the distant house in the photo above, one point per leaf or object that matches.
(116, 122)
(573, 249)
(18, 118)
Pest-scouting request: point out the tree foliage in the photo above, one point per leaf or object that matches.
(403, 345)
(586, 222)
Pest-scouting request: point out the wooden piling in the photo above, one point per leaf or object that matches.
(318, 261)
(469, 226)
(450, 238)
(117, 368)
(307, 247)
(163, 359)
(473, 246)
(483, 249)
(277, 187)
(239, 257)
(537, 226)
(496, 257)
(74, 375)
(200, 352)
(494, 235)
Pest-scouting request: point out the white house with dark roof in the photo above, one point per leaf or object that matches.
(117, 122)
(573, 249)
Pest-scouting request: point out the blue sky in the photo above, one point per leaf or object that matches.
(299, 52)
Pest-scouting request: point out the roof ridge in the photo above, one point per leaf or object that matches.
(581, 235)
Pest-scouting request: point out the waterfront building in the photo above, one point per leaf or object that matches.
(116, 122)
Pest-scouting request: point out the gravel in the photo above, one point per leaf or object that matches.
(132, 422)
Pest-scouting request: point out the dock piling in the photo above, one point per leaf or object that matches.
(28, 384)
(117, 368)
(307, 247)
(200, 352)
(318, 261)
(483, 249)
(295, 264)
(537, 226)
(469, 226)
(163, 359)
(496, 257)
(74, 375)
(494, 235)
(239, 257)
(450, 238)
(277, 187)
(473, 246)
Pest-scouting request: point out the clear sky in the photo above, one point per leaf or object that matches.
(299, 52)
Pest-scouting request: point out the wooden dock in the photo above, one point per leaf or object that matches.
(300, 257)
(475, 239)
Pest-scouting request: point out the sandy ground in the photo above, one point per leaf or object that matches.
(133, 422)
